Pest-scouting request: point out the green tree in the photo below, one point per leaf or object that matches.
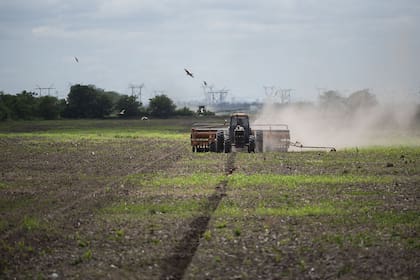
(361, 99)
(87, 102)
(332, 101)
(24, 105)
(113, 96)
(129, 105)
(103, 105)
(5, 112)
(185, 111)
(161, 106)
(48, 107)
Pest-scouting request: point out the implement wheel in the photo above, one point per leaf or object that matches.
(251, 145)
(213, 147)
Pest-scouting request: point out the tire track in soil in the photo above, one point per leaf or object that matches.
(65, 211)
(175, 265)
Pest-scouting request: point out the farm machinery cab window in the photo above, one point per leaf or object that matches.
(239, 120)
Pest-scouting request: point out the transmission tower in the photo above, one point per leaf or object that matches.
(214, 97)
(40, 89)
(138, 88)
(284, 94)
(270, 91)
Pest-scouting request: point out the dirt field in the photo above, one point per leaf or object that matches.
(127, 199)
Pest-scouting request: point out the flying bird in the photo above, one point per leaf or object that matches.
(205, 83)
(77, 60)
(189, 73)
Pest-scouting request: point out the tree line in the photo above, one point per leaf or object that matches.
(85, 101)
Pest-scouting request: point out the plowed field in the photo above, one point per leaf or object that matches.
(126, 199)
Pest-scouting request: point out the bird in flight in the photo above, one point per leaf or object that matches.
(77, 60)
(205, 83)
(189, 73)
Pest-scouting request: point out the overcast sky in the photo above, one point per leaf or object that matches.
(240, 45)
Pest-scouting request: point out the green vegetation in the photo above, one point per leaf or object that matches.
(87, 255)
(392, 219)
(81, 241)
(3, 225)
(85, 102)
(161, 106)
(26, 106)
(93, 130)
(229, 209)
(306, 210)
(3, 185)
(293, 181)
(182, 208)
(100, 135)
(195, 179)
(129, 206)
(31, 223)
(207, 235)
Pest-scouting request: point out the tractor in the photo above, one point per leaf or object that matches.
(238, 136)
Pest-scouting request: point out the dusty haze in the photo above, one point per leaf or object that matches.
(343, 127)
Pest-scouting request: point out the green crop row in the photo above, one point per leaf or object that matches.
(195, 179)
(292, 181)
(184, 208)
(104, 134)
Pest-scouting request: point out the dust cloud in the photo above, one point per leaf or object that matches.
(346, 122)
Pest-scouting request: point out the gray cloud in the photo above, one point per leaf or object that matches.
(241, 45)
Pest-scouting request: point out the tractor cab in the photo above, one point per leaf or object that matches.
(240, 131)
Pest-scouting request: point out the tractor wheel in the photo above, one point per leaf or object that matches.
(228, 146)
(220, 139)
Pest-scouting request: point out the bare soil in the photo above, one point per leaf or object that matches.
(90, 209)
